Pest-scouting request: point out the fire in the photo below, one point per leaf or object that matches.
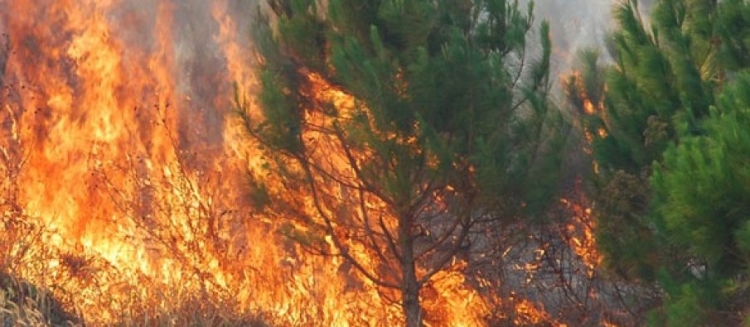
(580, 231)
(125, 175)
(449, 298)
(587, 105)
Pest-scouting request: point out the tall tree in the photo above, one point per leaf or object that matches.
(663, 78)
(665, 197)
(397, 127)
(701, 204)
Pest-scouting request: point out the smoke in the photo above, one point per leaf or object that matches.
(199, 65)
(578, 24)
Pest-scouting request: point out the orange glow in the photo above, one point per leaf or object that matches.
(529, 314)
(580, 231)
(589, 107)
(601, 132)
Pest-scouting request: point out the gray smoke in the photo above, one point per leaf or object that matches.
(578, 24)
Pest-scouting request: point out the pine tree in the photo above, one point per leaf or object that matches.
(702, 205)
(662, 76)
(398, 127)
(668, 195)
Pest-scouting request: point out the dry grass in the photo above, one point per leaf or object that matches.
(22, 304)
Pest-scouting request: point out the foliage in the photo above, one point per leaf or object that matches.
(702, 205)
(668, 139)
(426, 115)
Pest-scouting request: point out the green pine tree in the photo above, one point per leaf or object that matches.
(668, 193)
(701, 205)
(447, 126)
(662, 76)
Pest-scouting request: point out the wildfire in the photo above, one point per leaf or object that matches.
(581, 234)
(125, 174)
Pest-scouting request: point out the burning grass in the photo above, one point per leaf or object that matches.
(70, 286)
(542, 280)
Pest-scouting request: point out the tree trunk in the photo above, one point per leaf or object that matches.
(409, 287)
(410, 298)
